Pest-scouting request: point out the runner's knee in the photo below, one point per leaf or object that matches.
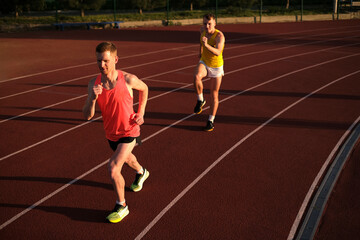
(198, 77)
(114, 172)
(215, 95)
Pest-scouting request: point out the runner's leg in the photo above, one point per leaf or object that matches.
(116, 163)
(214, 94)
(200, 73)
(133, 163)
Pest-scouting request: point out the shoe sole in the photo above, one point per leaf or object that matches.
(208, 130)
(142, 182)
(121, 217)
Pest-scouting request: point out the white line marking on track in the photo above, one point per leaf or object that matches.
(48, 139)
(316, 182)
(217, 161)
(48, 86)
(160, 131)
(68, 130)
(90, 171)
(75, 98)
(187, 55)
(78, 126)
(89, 76)
(50, 195)
(162, 81)
(308, 224)
(87, 64)
(237, 56)
(43, 108)
(168, 49)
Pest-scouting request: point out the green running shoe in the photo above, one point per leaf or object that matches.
(139, 181)
(118, 213)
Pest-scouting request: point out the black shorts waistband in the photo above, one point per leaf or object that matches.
(114, 145)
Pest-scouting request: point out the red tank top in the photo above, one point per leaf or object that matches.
(116, 107)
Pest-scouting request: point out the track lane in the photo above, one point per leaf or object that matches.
(180, 131)
(287, 155)
(249, 66)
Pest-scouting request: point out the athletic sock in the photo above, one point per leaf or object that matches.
(201, 97)
(211, 118)
(141, 171)
(121, 203)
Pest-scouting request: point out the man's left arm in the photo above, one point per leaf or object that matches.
(135, 83)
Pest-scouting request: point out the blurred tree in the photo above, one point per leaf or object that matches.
(140, 4)
(83, 5)
(19, 6)
(187, 4)
(242, 3)
(147, 5)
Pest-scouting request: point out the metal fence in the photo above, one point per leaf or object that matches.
(171, 10)
(221, 8)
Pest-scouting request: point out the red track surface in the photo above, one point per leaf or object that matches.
(290, 92)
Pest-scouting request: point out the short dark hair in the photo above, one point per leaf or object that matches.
(106, 46)
(209, 16)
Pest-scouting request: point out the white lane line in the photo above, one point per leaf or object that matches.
(81, 96)
(92, 75)
(317, 179)
(162, 74)
(187, 55)
(45, 72)
(50, 195)
(316, 207)
(73, 128)
(90, 171)
(237, 56)
(48, 86)
(43, 108)
(149, 137)
(217, 161)
(162, 81)
(87, 64)
(177, 48)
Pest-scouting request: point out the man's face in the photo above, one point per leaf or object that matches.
(209, 25)
(106, 61)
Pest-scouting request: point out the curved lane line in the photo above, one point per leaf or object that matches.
(173, 49)
(315, 210)
(197, 179)
(217, 161)
(256, 65)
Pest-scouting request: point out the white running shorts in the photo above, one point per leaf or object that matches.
(214, 72)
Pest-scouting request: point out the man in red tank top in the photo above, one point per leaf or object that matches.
(112, 89)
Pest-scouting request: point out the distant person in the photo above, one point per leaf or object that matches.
(112, 89)
(212, 42)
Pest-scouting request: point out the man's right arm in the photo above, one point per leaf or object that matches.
(89, 107)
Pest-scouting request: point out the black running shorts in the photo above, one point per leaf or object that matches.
(114, 145)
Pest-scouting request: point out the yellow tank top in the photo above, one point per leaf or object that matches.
(210, 59)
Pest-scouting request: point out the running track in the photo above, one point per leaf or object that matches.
(290, 93)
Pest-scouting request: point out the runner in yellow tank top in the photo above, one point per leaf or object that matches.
(212, 42)
(209, 58)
